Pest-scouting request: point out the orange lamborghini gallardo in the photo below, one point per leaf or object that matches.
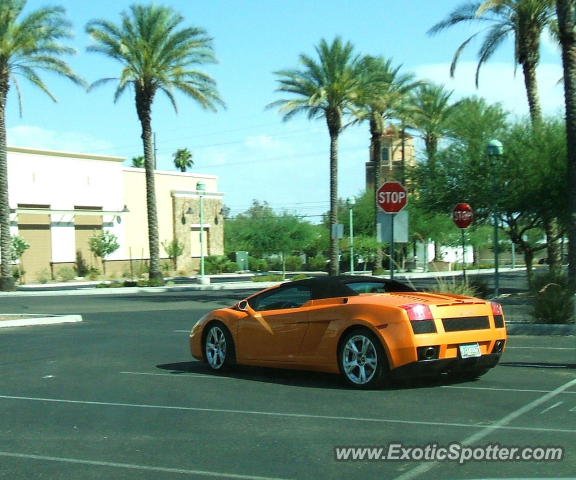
(368, 329)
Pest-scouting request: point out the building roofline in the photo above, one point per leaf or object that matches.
(60, 153)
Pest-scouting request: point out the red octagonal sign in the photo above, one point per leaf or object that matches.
(463, 215)
(392, 197)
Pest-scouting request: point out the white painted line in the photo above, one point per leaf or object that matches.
(184, 375)
(489, 429)
(557, 404)
(505, 389)
(131, 466)
(287, 415)
(52, 320)
(182, 331)
(536, 365)
(542, 348)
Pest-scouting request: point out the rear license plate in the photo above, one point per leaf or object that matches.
(470, 350)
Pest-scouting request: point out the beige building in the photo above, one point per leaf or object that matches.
(61, 199)
(398, 154)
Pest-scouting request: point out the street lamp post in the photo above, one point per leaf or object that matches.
(201, 188)
(495, 150)
(351, 202)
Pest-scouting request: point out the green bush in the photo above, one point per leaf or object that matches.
(317, 263)
(294, 263)
(300, 276)
(456, 286)
(65, 274)
(258, 264)
(267, 278)
(214, 264)
(93, 274)
(230, 267)
(43, 276)
(552, 301)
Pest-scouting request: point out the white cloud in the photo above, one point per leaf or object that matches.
(261, 142)
(36, 137)
(498, 83)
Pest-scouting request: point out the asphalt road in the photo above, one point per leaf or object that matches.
(118, 396)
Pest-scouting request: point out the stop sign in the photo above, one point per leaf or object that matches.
(463, 215)
(392, 197)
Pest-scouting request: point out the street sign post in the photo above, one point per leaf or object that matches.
(463, 216)
(391, 198)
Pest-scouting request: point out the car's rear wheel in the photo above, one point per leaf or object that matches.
(362, 359)
(218, 346)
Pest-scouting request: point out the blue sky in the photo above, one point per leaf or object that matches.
(255, 153)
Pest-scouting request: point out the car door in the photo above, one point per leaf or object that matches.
(277, 325)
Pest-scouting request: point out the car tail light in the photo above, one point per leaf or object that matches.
(498, 314)
(418, 312)
(420, 317)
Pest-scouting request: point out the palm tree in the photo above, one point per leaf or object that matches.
(326, 88)
(566, 12)
(381, 99)
(524, 20)
(429, 112)
(183, 159)
(28, 43)
(138, 161)
(157, 54)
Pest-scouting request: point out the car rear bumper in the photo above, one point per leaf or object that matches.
(424, 368)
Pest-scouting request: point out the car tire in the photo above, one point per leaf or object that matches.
(218, 346)
(362, 359)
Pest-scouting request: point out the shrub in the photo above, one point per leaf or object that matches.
(318, 262)
(214, 264)
(267, 278)
(456, 286)
(43, 276)
(480, 286)
(258, 264)
(300, 276)
(93, 273)
(65, 274)
(552, 300)
(230, 267)
(294, 263)
(82, 268)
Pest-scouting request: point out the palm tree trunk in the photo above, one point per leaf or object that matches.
(565, 10)
(144, 108)
(334, 121)
(531, 84)
(376, 149)
(6, 279)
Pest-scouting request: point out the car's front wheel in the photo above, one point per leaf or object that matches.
(218, 346)
(362, 359)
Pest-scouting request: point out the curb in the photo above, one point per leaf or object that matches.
(41, 320)
(132, 290)
(540, 329)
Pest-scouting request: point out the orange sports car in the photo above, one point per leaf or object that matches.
(368, 329)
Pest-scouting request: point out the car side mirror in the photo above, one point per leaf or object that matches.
(243, 305)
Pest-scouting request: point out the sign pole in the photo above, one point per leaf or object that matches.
(392, 246)
(463, 254)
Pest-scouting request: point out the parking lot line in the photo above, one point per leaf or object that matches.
(542, 348)
(487, 430)
(483, 427)
(131, 466)
(196, 375)
(505, 389)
